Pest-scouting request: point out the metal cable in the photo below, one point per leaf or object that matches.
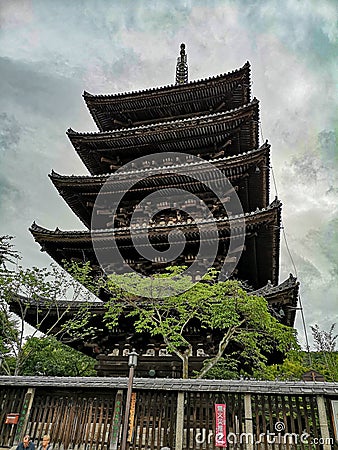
(292, 262)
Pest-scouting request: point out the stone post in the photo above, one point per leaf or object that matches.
(179, 421)
(248, 421)
(324, 428)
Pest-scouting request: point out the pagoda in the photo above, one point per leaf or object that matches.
(191, 127)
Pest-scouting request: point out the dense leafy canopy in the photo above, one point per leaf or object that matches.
(47, 356)
(323, 361)
(297, 363)
(243, 320)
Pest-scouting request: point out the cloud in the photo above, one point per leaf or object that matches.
(10, 132)
(36, 109)
(309, 184)
(9, 139)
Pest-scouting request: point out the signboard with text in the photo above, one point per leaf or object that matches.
(12, 418)
(21, 420)
(131, 416)
(220, 431)
(116, 421)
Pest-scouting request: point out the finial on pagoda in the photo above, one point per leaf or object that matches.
(182, 67)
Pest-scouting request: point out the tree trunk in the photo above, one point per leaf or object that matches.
(184, 357)
(185, 367)
(221, 347)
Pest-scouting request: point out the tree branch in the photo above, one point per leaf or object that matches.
(221, 347)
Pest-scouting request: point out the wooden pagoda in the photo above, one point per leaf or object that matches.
(214, 119)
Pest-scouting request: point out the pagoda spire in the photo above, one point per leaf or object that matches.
(182, 67)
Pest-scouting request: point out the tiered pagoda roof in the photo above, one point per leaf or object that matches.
(192, 128)
(220, 93)
(248, 173)
(212, 135)
(262, 229)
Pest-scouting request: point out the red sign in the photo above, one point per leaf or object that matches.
(221, 425)
(12, 418)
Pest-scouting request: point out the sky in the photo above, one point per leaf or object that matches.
(50, 52)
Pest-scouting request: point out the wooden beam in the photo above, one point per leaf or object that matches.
(103, 159)
(120, 122)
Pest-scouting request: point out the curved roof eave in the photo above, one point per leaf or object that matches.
(57, 178)
(37, 230)
(88, 96)
(74, 135)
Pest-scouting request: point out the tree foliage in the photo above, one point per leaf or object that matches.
(291, 369)
(38, 289)
(8, 335)
(325, 341)
(297, 362)
(326, 364)
(242, 320)
(47, 356)
(326, 357)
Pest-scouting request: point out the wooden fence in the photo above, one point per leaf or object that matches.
(88, 415)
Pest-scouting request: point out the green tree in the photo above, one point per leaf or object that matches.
(291, 369)
(8, 326)
(47, 356)
(296, 364)
(324, 360)
(242, 320)
(325, 341)
(40, 289)
(8, 335)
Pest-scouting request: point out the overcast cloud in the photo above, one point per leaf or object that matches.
(52, 51)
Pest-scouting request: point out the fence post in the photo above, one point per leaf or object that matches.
(24, 415)
(248, 421)
(324, 429)
(179, 421)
